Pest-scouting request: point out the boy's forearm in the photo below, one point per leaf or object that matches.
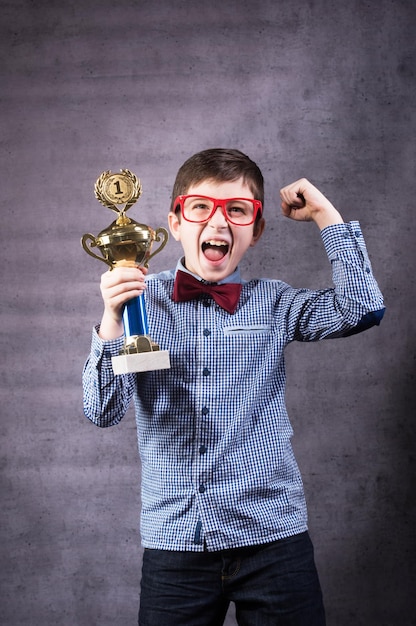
(106, 396)
(328, 217)
(110, 328)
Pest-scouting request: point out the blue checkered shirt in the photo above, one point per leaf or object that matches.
(218, 470)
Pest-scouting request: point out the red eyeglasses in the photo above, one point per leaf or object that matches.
(237, 211)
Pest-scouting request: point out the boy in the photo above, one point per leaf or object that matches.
(223, 509)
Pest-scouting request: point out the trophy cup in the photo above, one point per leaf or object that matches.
(127, 243)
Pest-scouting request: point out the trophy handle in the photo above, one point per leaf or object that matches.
(88, 250)
(160, 234)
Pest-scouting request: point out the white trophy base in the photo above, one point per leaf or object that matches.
(141, 362)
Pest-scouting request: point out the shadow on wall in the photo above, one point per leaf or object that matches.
(359, 482)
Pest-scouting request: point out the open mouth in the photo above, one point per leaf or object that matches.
(215, 250)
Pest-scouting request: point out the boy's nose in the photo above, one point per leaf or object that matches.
(218, 218)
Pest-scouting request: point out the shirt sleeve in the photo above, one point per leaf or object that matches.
(106, 396)
(354, 304)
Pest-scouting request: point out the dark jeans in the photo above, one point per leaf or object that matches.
(275, 584)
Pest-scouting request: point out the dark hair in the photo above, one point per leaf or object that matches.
(220, 165)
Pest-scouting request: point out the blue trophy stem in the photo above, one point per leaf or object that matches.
(135, 317)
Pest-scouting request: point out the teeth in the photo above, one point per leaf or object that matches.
(216, 243)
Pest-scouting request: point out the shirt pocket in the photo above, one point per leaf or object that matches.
(247, 331)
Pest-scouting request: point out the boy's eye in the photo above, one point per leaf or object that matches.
(200, 206)
(237, 209)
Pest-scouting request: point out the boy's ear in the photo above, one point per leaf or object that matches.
(258, 230)
(174, 225)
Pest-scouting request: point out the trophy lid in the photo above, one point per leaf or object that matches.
(130, 231)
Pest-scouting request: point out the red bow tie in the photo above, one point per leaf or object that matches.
(188, 288)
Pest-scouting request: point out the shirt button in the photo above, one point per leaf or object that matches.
(202, 449)
(357, 233)
(205, 410)
(207, 332)
(346, 235)
(201, 488)
(206, 371)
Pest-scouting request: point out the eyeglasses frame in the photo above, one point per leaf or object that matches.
(180, 200)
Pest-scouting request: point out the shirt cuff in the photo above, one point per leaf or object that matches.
(102, 351)
(340, 237)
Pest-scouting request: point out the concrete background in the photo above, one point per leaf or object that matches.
(307, 88)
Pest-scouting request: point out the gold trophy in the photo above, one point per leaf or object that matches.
(127, 243)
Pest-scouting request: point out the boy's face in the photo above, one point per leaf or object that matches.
(215, 248)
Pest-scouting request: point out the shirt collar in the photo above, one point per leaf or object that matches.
(232, 278)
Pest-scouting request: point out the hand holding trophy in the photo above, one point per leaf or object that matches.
(126, 242)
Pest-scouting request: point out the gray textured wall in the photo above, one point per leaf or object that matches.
(314, 88)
